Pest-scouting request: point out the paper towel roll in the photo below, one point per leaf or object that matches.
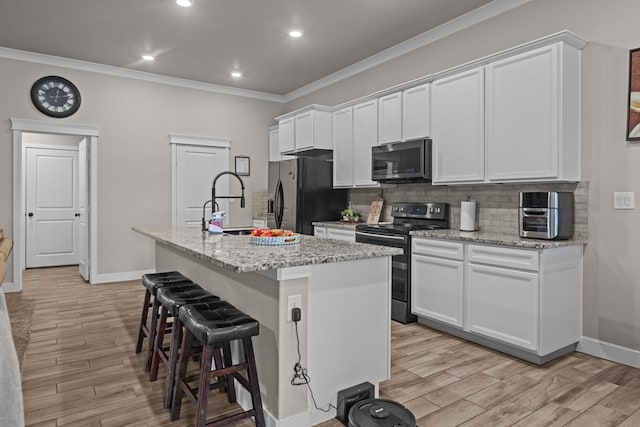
(468, 215)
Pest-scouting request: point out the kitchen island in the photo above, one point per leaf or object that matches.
(345, 295)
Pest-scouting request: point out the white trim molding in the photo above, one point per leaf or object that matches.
(40, 126)
(93, 67)
(207, 141)
(460, 23)
(609, 351)
(119, 277)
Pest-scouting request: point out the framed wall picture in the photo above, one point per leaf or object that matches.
(242, 165)
(633, 106)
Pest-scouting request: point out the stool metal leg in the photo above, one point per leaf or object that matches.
(143, 321)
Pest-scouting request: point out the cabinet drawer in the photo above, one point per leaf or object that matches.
(504, 257)
(438, 248)
(341, 234)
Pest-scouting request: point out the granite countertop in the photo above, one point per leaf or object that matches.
(496, 239)
(342, 224)
(237, 254)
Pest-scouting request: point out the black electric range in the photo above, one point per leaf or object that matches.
(407, 217)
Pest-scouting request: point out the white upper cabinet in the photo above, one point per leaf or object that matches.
(274, 144)
(365, 136)
(305, 129)
(533, 113)
(286, 135)
(390, 118)
(415, 112)
(515, 119)
(457, 127)
(343, 148)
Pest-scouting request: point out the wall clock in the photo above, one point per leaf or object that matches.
(55, 96)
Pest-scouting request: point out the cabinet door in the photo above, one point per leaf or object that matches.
(320, 231)
(343, 148)
(437, 289)
(286, 135)
(390, 118)
(365, 136)
(274, 145)
(341, 234)
(502, 303)
(523, 114)
(304, 131)
(415, 112)
(457, 125)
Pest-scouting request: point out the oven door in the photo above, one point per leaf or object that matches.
(400, 274)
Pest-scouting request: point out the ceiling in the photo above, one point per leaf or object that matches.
(205, 42)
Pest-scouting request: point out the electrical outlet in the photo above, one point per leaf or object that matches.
(293, 301)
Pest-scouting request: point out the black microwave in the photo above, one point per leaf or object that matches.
(407, 161)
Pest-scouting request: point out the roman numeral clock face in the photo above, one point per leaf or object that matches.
(55, 96)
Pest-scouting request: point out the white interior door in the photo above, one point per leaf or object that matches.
(51, 206)
(83, 211)
(196, 167)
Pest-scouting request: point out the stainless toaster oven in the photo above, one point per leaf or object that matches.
(546, 215)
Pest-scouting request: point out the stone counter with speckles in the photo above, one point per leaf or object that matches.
(496, 239)
(237, 254)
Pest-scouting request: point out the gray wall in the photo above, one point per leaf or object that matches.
(611, 297)
(134, 174)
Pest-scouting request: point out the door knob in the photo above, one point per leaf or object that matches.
(77, 214)
(30, 214)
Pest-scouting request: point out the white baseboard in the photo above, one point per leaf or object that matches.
(119, 277)
(9, 287)
(243, 398)
(608, 351)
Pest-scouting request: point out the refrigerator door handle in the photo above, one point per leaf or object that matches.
(279, 204)
(270, 206)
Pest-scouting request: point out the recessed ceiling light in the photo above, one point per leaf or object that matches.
(236, 74)
(295, 33)
(184, 3)
(148, 57)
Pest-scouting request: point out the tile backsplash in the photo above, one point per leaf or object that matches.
(259, 204)
(497, 204)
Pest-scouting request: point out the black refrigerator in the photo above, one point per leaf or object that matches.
(301, 192)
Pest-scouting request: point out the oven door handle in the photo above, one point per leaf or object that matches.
(380, 236)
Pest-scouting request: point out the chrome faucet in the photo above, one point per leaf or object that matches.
(214, 197)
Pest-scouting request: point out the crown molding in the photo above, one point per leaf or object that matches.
(75, 64)
(57, 127)
(460, 23)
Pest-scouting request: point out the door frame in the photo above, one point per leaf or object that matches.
(20, 126)
(179, 139)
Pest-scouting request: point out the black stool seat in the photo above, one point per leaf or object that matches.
(175, 296)
(217, 322)
(154, 280)
(215, 325)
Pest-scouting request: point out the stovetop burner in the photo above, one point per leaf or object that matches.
(412, 216)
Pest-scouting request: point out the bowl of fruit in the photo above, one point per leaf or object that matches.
(272, 237)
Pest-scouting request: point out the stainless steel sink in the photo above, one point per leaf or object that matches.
(237, 231)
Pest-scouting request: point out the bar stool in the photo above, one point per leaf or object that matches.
(171, 298)
(152, 282)
(215, 324)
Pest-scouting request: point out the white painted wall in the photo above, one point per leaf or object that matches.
(611, 305)
(135, 119)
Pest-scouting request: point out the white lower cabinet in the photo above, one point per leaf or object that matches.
(437, 286)
(502, 303)
(512, 298)
(337, 233)
(341, 234)
(320, 231)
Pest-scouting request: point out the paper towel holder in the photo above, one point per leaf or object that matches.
(468, 215)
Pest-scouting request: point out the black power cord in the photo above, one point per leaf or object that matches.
(300, 375)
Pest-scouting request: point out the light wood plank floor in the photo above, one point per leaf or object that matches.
(80, 369)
